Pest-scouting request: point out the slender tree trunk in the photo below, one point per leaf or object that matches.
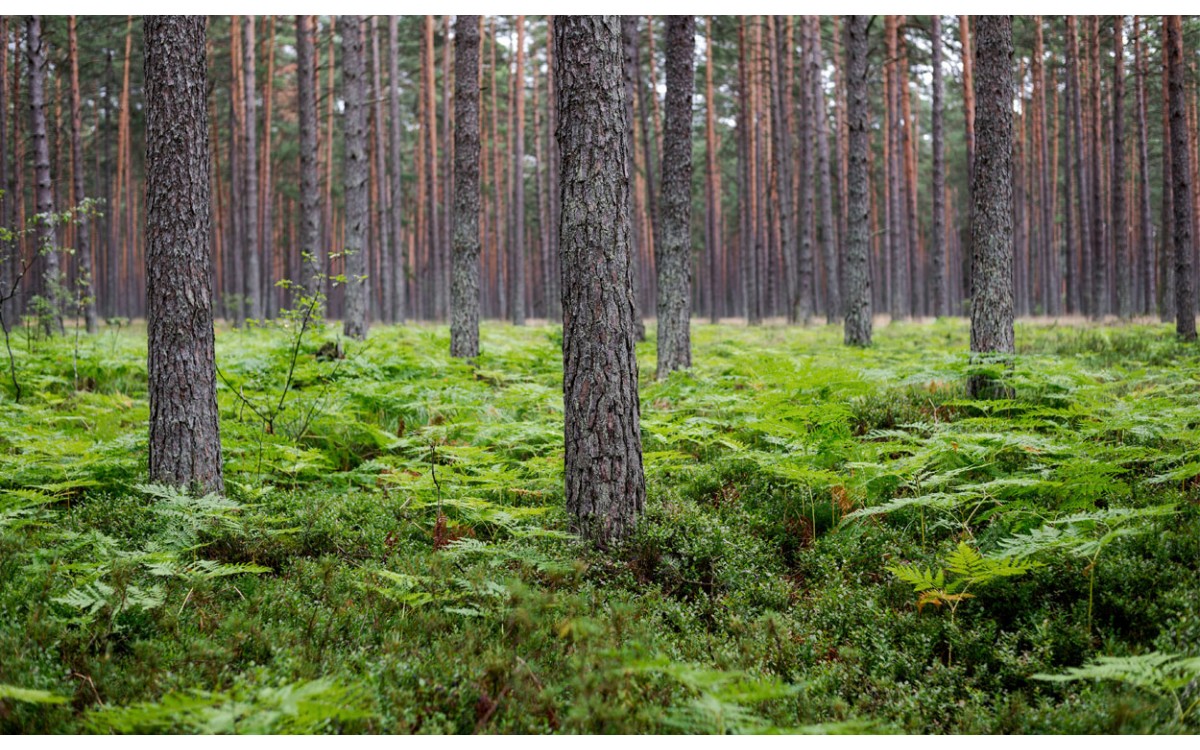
(1146, 235)
(185, 442)
(266, 222)
(857, 266)
(382, 219)
(1181, 172)
(746, 182)
(941, 300)
(833, 297)
(712, 226)
(357, 315)
(781, 166)
(991, 190)
(1101, 304)
(516, 263)
(250, 225)
(632, 78)
(1048, 257)
(1124, 269)
(35, 49)
(398, 265)
(7, 247)
(311, 248)
(605, 484)
(553, 289)
(464, 305)
(446, 243)
(968, 63)
(1167, 250)
(431, 181)
(83, 248)
(1082, 292)
(801, 308)
(674, 258)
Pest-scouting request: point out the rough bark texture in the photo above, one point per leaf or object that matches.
(1081, 254)
(83, 249)
(1166, 295)
(674, 257)
(783, 204)
(399, 257)
(253, 290)
(605, 484)
(1181, 172)
(992, 198)
(35, 49)
(382, 232)
(312, 250)
(356, 167)
(464, 291)
(429, 139)
(941, 303)
(185, 443)
(516, 263)
(856, 266)
(805, 265)
(1145, 251)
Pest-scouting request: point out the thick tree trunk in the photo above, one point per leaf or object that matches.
(674, 257)
(941, 304)
(357, 315)
(1124, 270)
(857, 265)
(83, 248)
(464, 292)
(253, 289)
(185, 442)
(35, 49)
(1181, 172)
(992, 198)
(605, 484)
(312, 250)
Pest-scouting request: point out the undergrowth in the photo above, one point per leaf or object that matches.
(835, 540)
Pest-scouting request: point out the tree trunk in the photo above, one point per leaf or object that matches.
(357, 315)
(1145, 253)
(1101, 305)
(801, 307)
(1084, 301)
(516, 263)
(185, 442)
(1167, 250)
(1048, 256)
(35, 49)
(712, 197)
(266, 221)
(1181, 172)
(857, 265)
(1124, 270)
(383, 232)
(399, 256)
(312, 249)
(429, 134)
(833, 296)
(553, 291)
(253, 278)
(632, 77)
(83, 249)
(464, 302)
(674, 257)
(968, 63)
(605, 485)
(992, 198)
(941, 300)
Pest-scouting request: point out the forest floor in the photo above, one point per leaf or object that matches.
(834, 540)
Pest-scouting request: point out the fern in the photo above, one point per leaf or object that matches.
(1166, 675)
(27, 695)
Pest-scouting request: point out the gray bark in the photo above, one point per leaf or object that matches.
(629, 37)
(803, 303)
(35, 49)
(357, 319)
(399, 257)
(464, 291)
(516, 256)
(992, 198)
(674, 257)
(386, 312)
(605, 484)
(857, 267)
(1080, 259)
(254, 298)
(1181, 172)
(833, 296)
(1124, 268)
(312, 250)
(941, 303)
(83, 249)
(185, 442)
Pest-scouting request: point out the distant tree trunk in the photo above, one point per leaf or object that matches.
(1124, 271)
(632, 77)
(7, 247)
(357, 316)
(857, 266)
(746, 183)
(399, 256)
(1181, 172)
(464, 297)
(674, 257)
(553, 290)
(897, 295)
(802, 305)
(446, 239)
(782, 165)
(266, 220)
(387, 278)
(250, 228)
(312, 250)
(429, 134)
(1082, 291)
(516, 264)
(1049, 256)
(605, 484)
(712, 197)
(35, 49)
(991, 191)
(1166, 295)
(1145, 251)
(185, 442)
(941, 300)
(83, 250)
(1101, 304)
(833, 296)
(968, 63)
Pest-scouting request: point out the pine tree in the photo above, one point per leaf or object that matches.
(857, 268)
(357, 318)
(464, 292)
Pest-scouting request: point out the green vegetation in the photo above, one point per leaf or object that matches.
(835, 540)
